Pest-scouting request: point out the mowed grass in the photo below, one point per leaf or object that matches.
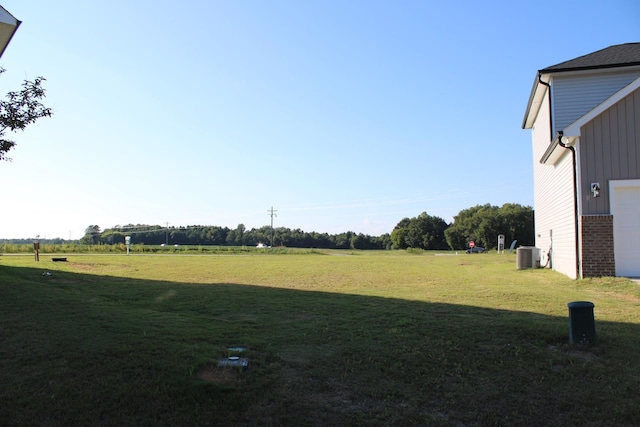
(332, 338)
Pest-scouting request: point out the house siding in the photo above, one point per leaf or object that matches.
(560, 221)
(609, 150)
(575, 95)
(553, 201)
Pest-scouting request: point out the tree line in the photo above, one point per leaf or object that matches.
(239, 236)
(480, 224)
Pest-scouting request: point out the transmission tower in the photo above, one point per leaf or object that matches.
(271, 212)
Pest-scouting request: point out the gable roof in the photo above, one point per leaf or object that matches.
(621, 55)
(617, 56)
(574, 128)
(552, 154)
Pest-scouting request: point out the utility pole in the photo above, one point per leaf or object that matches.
(271, 212)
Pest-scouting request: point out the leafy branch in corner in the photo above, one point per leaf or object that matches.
(20, 109)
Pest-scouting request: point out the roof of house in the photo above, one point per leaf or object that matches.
(620, 55)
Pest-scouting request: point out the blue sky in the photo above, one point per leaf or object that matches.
(341, 115)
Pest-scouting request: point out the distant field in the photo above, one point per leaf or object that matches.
(331, 338)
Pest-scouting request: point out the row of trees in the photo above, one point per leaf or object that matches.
(481, 224)
(240, 236)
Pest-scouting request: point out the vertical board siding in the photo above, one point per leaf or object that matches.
(616, 154)
(609, 151)
(633, 120)
(609, 120)
(574, 96)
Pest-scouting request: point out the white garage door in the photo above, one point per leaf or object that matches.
(625, 207)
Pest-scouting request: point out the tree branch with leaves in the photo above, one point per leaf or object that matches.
(20, 109)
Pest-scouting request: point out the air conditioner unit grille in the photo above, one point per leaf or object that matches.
(525, 257)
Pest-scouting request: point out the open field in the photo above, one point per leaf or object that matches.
(332, 338)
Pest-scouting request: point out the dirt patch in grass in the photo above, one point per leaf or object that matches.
(218, 375)
(83, 267)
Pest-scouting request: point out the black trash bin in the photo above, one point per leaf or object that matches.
(582, 325)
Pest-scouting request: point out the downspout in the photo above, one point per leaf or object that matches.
(575, 198)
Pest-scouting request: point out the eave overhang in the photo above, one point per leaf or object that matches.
(8, 27)
(544, 77)
(557, 149)
(536, 97)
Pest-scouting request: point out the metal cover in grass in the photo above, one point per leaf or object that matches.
(234, 361)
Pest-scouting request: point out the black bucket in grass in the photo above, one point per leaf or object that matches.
(582, 325)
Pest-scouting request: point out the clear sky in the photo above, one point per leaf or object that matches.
(344, 115)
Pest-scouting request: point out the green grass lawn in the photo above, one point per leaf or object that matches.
(331, 337)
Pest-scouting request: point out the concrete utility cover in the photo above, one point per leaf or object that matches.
(234, 361)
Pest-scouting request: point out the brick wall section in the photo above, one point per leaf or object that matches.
(597, 246)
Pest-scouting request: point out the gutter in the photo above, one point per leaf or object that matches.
(550, 149)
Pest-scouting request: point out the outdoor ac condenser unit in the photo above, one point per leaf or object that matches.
(527, 257)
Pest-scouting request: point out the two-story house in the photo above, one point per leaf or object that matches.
(585, 120)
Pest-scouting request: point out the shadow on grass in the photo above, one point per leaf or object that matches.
(94, 350)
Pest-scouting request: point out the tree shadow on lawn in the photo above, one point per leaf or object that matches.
(86, 349)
